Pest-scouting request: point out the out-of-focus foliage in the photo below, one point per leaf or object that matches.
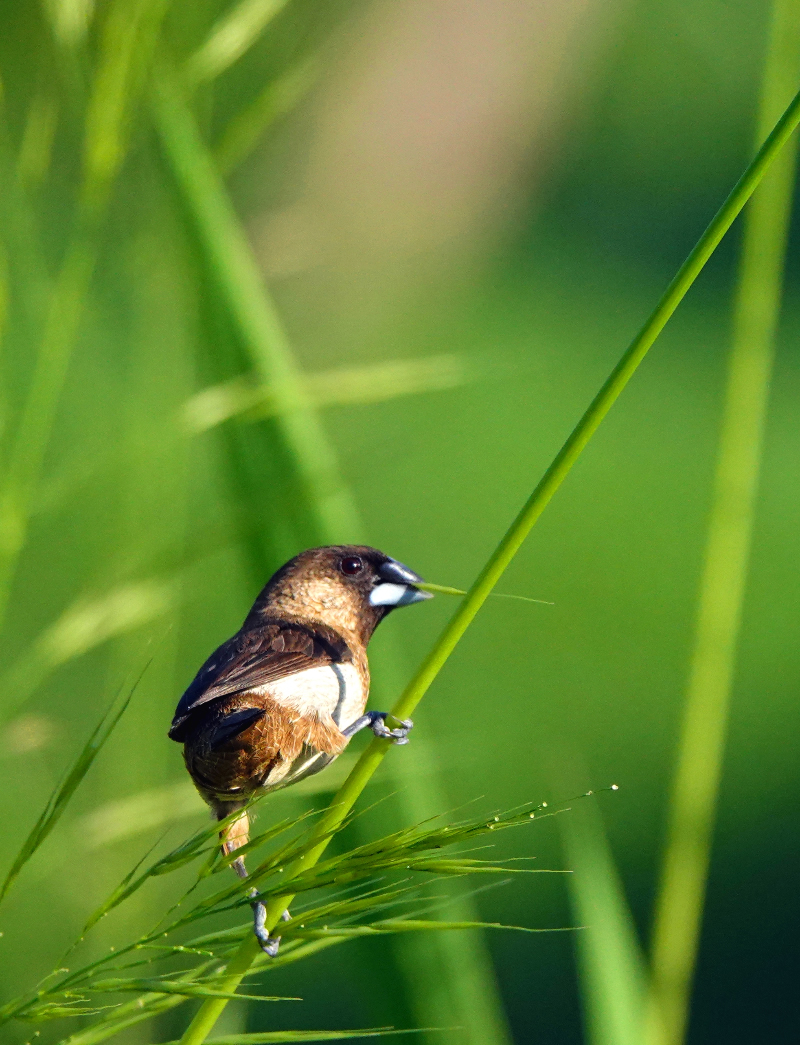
(504, 187)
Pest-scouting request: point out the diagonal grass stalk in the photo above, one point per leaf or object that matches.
(323, 508)
(512, 541)
(695, 789)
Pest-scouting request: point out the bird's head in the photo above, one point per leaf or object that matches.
(349, 587)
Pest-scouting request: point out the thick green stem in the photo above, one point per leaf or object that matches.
(373, 756)
(679, 905)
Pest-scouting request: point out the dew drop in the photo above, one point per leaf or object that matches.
(615, 787)
(544, 805)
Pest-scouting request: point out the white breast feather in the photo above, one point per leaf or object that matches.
(331, 689)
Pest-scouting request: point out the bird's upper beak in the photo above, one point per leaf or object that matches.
(396, 586)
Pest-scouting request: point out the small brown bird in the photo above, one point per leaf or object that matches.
(281, 699)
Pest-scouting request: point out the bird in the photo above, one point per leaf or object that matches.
(282, 698)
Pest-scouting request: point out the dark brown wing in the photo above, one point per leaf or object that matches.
(256, 656)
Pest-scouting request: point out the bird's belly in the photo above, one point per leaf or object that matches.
(332, 690)
(298, 735)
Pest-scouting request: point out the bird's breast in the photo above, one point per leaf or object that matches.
(336, 690)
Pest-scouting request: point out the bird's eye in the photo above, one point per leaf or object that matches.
(351, 565)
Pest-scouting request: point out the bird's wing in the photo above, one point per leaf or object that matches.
(257, 656)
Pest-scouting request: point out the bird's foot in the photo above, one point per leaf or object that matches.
(268, 944)
(376, 721)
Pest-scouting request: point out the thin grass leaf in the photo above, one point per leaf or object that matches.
(191, 849)
(402, 925)
(278, 98)
(373, 383)
(123, 1016)
(187, 990)
(230, 37)
(294, 954)
(444, 589)
(126, 817)
(260, 838)
(129, 37)
(27, 273)
(613, 976)
(698, 771)
(36, 148)
(85, 625)
(70, 19)
(48, 1011)
(277, 1036)
(60, 798)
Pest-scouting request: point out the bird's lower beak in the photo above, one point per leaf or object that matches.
(396, 586)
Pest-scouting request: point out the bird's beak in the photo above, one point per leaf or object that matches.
(396, 586)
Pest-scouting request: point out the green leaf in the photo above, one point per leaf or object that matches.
(233, 35)
(268, 1037)
(188, 990)
(60, 798)
(612, 969)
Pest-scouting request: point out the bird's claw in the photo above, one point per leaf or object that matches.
(268, 944)
(398, 735)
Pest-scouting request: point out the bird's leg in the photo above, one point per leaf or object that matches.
(376, 721)
(235, 835)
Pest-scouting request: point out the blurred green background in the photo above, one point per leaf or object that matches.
(463, 212)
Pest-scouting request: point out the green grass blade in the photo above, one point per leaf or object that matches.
(71, 20)
(233, 35)
(514, 538)
(410, 925)
(613, 975)
(128, 1015)
(339, 386)
(29, 281)
(26, 453)
(84, 625)
(277, 1036)
(275, 100)
(186, 990)
(60, 798)
(695, 790)
(36, 147)
(445, 589)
